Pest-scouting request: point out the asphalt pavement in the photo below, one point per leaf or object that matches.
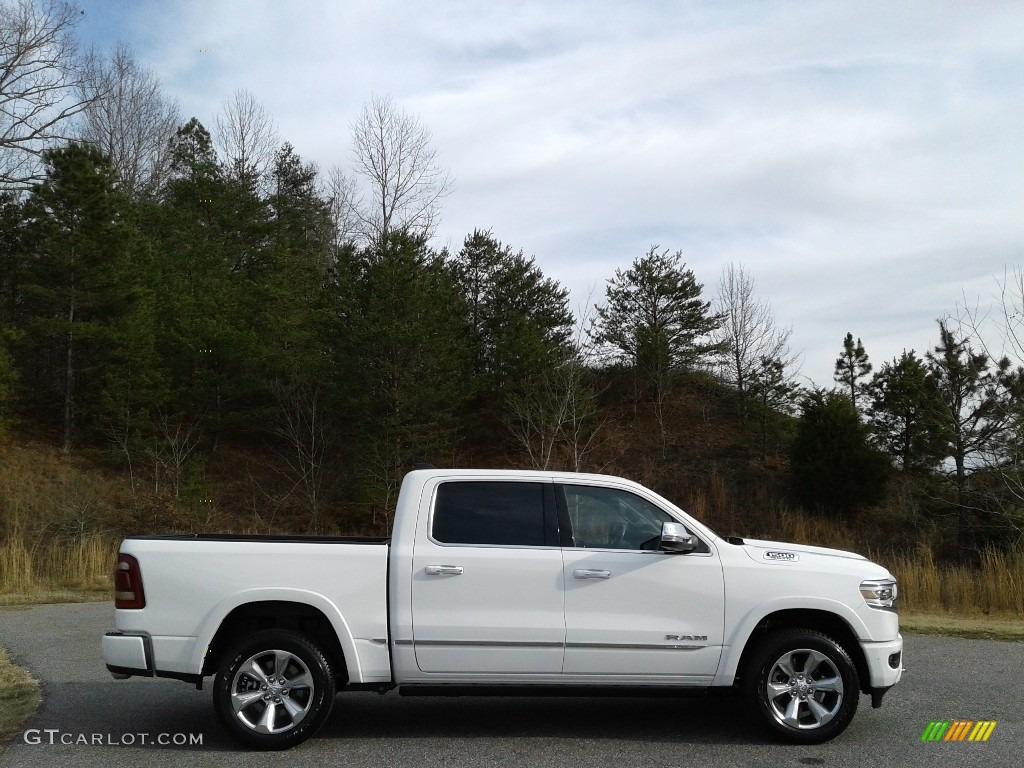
(89, 719)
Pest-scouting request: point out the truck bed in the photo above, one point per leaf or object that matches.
(194, 581)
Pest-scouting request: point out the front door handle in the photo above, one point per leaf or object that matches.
(587, 573)
(444, 570)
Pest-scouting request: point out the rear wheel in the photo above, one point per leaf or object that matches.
(274, 690)
(803, 685)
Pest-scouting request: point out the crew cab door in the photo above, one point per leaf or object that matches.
(631, 611)
(487, 580)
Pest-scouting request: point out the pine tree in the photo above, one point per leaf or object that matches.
(8, 376)
(401, 340)
(654, 317)
(904, 404)
(294, 301)
(852, 366)
(210, 261)
(773, 393)
(976, 399)
(834, 467)
(655, 321)
(82, 270)
(301, 220)
(295, 304)
(12, 222)
(10, 232)
(520, 320)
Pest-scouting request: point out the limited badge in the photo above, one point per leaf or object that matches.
(786, 557)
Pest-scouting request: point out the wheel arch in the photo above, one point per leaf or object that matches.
(295, 615)
(817, 620)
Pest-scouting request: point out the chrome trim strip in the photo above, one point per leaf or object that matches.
(634, 647)
(477, 644)
(511, 644)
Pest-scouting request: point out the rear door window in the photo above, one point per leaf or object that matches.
(495, 513)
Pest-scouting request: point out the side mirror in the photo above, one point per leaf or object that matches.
(675, 538)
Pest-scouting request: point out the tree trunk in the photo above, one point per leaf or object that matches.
(962, 523)
(69, 380)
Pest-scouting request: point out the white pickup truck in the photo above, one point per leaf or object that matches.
(507, 580)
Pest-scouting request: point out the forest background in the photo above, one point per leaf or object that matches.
(202, 331)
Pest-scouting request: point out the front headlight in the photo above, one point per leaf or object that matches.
(879, 593)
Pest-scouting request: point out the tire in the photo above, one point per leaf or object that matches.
(274, 690)
(802, 684)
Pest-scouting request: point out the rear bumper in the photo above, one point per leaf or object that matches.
(132, 656)
(128, 655)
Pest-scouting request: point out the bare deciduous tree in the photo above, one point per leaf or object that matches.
(1011, 302)
(246, 140)
(748, 332)
(406, 185)
(554, 421)
(307, 438)
(1000, 333)
(384, 472)
(343, 197)
(41, 85)
(128, 119)
(177, 438)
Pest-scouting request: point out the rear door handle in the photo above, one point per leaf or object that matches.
(444, 570)
(586, 573)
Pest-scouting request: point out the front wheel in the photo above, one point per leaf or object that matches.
(274, 690)
(803, 684)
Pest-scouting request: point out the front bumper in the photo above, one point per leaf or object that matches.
(885, 662)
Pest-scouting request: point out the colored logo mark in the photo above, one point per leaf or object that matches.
(958, 730)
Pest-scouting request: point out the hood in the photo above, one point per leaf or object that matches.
(778, 552)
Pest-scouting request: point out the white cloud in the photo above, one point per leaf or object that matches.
(864, 160)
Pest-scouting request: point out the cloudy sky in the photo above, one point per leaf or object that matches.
(864, 161)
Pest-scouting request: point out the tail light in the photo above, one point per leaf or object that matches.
(128, 583)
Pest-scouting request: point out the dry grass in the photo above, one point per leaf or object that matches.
(81, 570)
(19, 698)
(61, 520)
(46, 494)
(994, 588)
(33, 572)
(997, 587)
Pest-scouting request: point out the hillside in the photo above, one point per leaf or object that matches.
(718, 469)
(62, 516)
